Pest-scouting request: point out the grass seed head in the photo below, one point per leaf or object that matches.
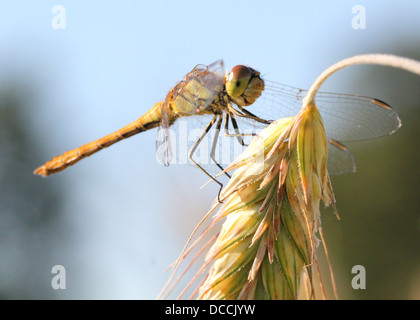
(265, 249)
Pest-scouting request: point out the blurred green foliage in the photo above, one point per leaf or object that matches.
(29, 209)
(379, 205)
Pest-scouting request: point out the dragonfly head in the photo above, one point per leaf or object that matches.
(244, 85)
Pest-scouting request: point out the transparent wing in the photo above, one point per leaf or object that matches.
(346, 117)
(163, 139)
(195, 92)
(199, 87)
(216, 149)
(340, 159)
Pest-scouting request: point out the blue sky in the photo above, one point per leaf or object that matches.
(114, 60)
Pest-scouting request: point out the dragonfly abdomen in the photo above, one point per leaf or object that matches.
(149, 120)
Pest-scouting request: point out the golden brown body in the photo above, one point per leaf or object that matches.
(207, 90)
(149, 120)
(202, 91)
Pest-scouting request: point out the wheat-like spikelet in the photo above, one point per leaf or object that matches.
(266, 247)
(271, 204)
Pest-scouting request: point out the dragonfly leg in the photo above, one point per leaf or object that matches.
(237, 133)
(194, 148)
(214, 144)
(250, 115)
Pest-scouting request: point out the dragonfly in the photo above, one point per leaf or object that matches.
(241, 95)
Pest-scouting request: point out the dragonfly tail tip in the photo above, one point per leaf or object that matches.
(42, 171)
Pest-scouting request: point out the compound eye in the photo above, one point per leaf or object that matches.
(237, 80)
